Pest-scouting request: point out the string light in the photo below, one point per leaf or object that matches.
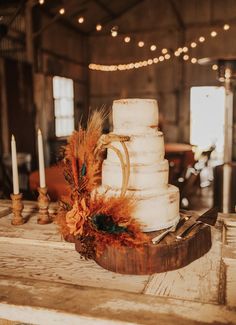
(226, 27)
(127, 39)
(161, 58)
(62, 11)
(81, 20)
(114, 33)
(98, 27)
(213, 33)
(41, 2)
(153, 47)
(141, 44)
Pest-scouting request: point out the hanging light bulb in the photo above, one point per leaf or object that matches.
(114, 31)
(214, 67)
(141, 44)
(201, 39)
(193, 44)
(177, 53)
(127, 39)
(185, 57)
(81, 20)
(167, 56)
(213, 33)
(62, 11)
(98, 27)
(194, 60)
(164, 51)
(226, 27)
(185, 49)
(153, 47)
(41, 2)
(161, 58)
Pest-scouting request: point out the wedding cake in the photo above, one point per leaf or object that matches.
(157, 202)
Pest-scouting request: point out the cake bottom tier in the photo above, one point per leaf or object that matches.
(155, 210)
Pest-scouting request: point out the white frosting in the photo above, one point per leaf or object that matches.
(157, 203)
(142, 148)
(154, 210)
(134, 114)
(141, 176)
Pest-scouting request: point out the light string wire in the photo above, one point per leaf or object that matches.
(180, 51)
(165, 55)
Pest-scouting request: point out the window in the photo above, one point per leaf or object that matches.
(63, 94)
(207, 118)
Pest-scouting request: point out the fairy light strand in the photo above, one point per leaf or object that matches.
(166, 56)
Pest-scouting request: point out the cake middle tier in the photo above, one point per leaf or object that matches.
(142, 148)
(142, 176)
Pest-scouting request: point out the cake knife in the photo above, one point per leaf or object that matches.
(172, 229)
(207, 218)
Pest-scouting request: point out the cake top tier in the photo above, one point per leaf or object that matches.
(134, 113)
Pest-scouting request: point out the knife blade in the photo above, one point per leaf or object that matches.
(208, 218)
(174, 228)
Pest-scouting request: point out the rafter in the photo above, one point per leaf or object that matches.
(107, 20)
(105, 8)
(177, 14)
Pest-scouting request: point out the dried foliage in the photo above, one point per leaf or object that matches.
(96, 220)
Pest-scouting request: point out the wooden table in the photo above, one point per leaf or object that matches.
(44, 281)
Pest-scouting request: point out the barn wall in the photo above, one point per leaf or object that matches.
(170, 81)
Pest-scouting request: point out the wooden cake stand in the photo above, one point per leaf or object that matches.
(170, 254)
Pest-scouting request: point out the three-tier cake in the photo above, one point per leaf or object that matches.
(157, 202)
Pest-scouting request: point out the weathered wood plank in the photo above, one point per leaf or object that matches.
(53, 303)
(229, 259)
(61, 264)
(198, 281)
(29, 230)
(4, 211)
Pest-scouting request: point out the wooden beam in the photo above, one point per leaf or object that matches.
(105, 8)
(107, 20)
(177, 14)
(63, 21)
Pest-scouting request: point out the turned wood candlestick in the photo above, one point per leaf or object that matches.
(17, 208)
(43, 203)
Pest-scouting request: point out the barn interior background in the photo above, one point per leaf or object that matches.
(108, 50)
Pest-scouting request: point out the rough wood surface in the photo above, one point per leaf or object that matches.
(169, 254)
(39, 270)
(53, 303)
(198, 281)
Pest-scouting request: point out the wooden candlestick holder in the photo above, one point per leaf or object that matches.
(43, 203)
(17, 208)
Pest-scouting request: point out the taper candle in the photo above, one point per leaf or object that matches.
(42, 182)
(14, 166)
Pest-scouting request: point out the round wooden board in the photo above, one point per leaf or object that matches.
(169, 254)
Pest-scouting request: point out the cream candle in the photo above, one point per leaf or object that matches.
(42, 182)
(14, 166)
